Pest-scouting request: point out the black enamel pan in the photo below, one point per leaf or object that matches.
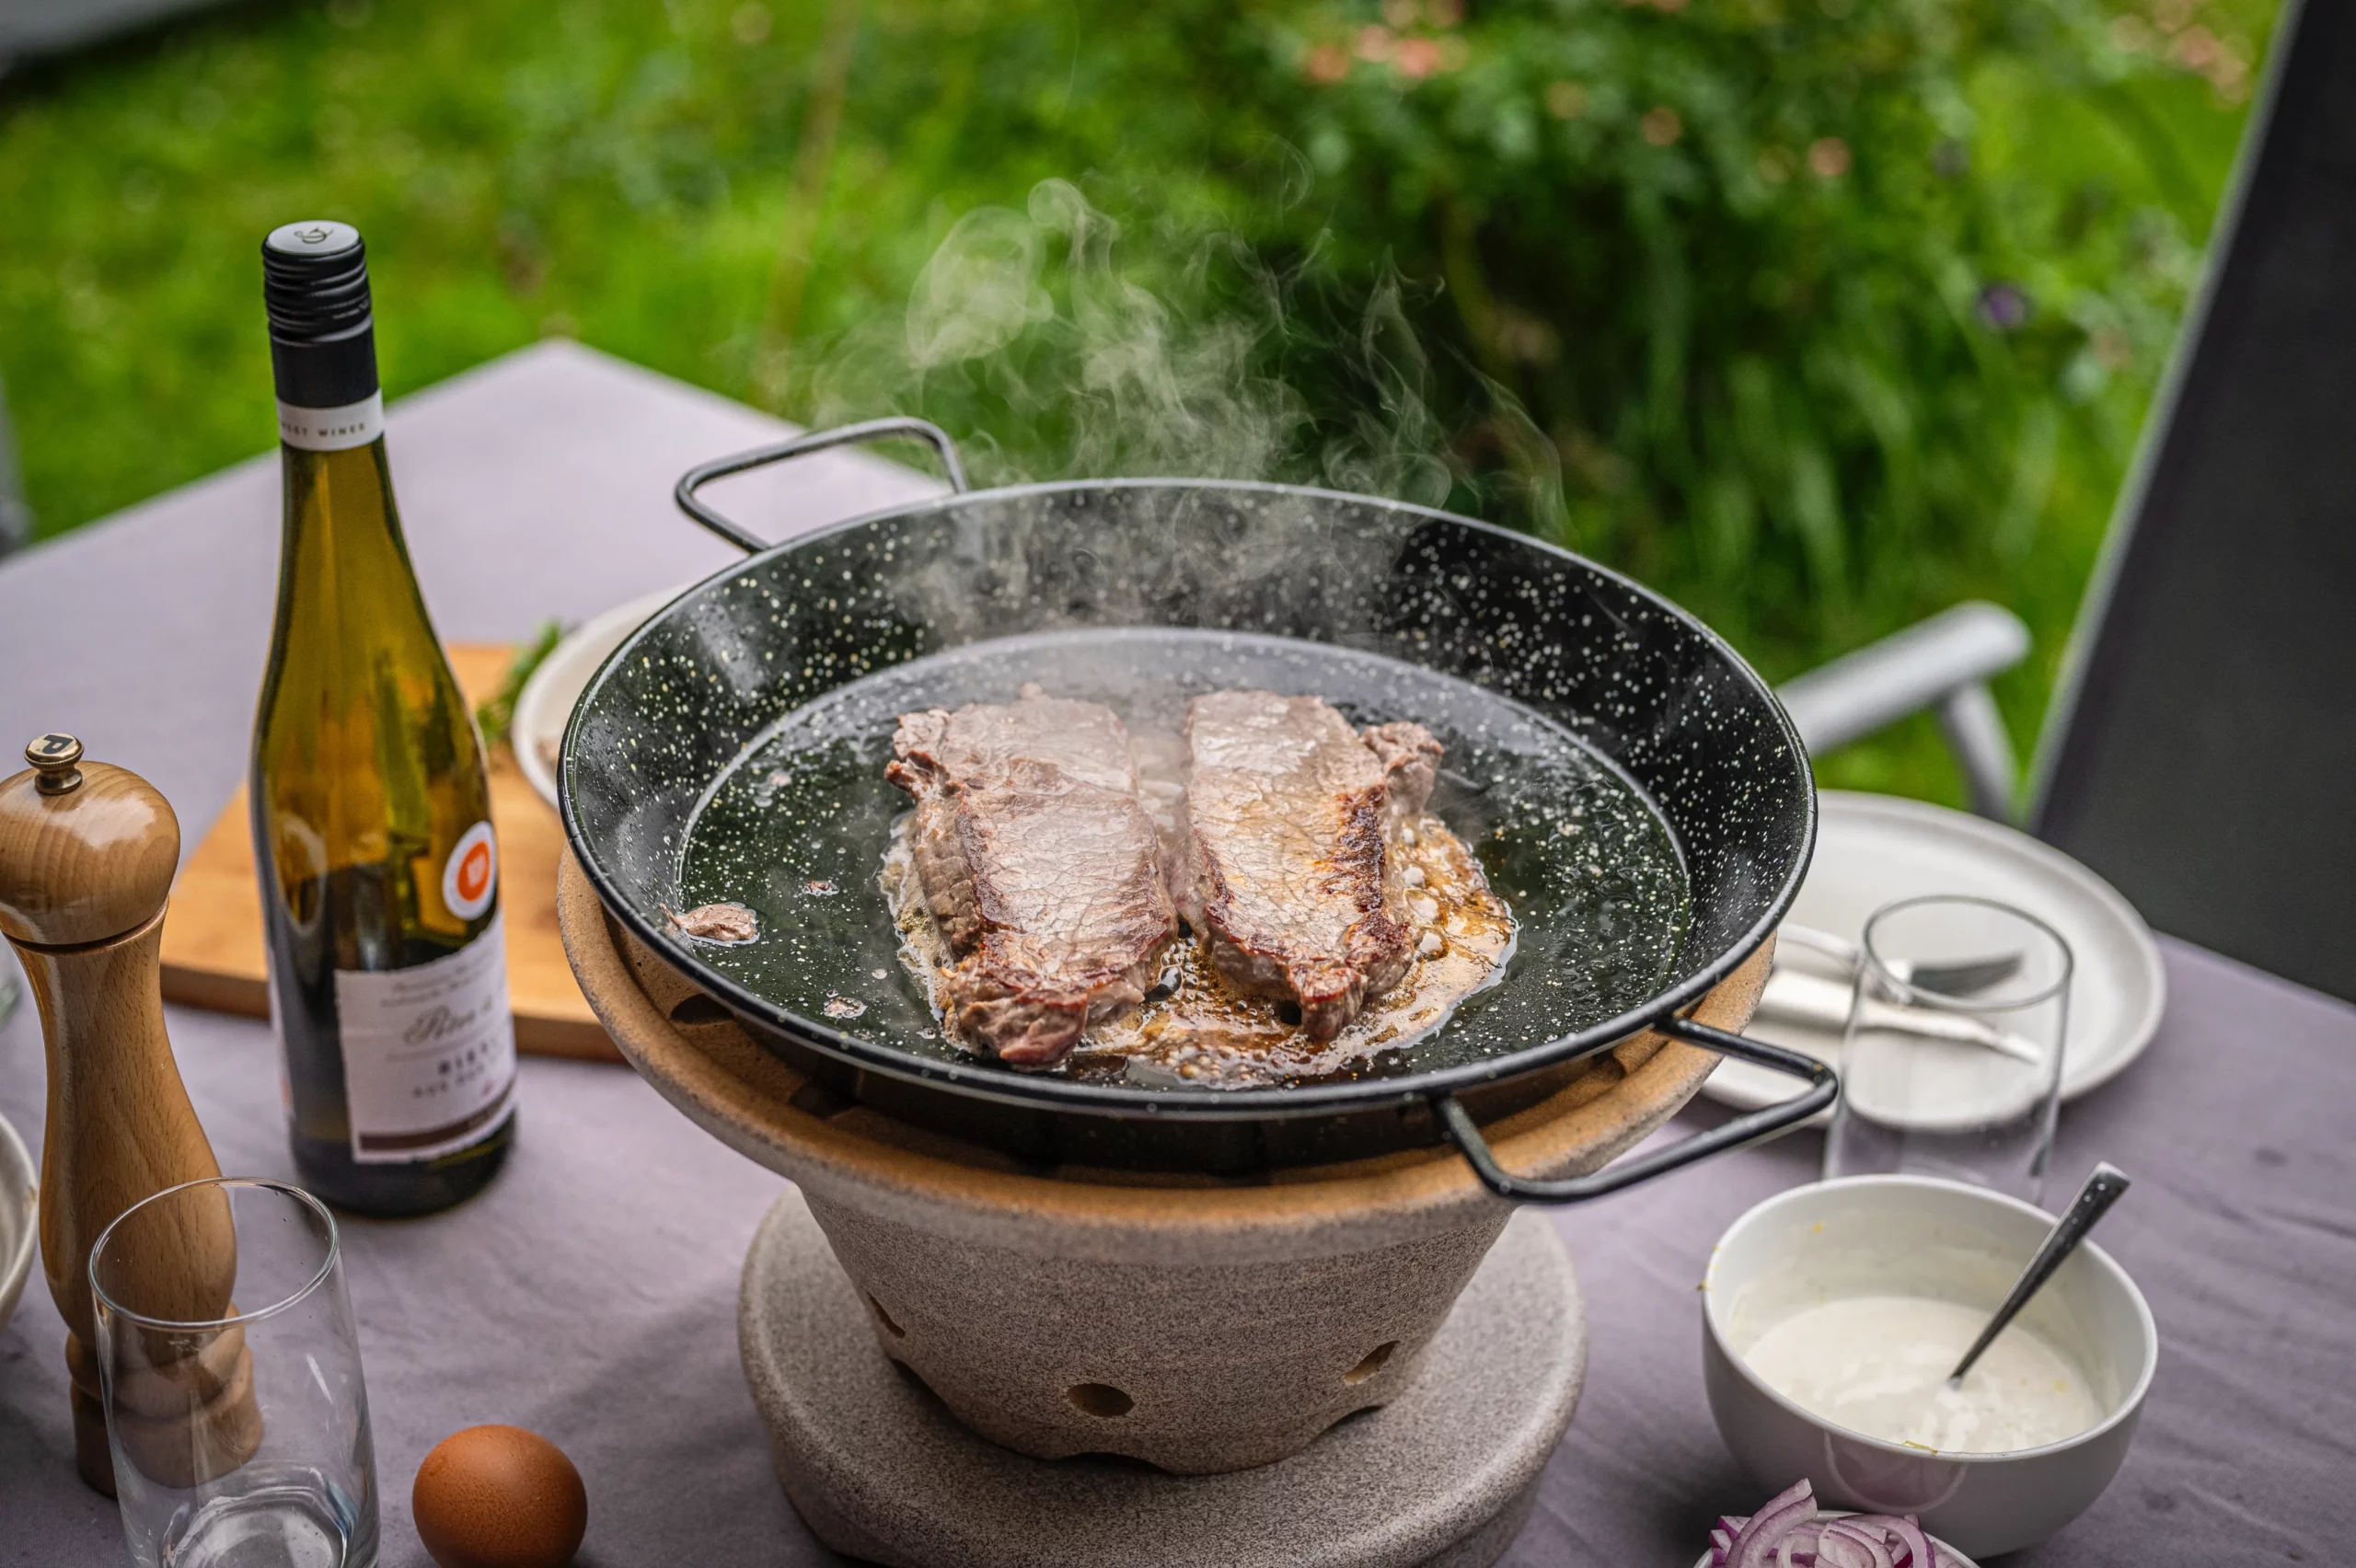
(1638, 795)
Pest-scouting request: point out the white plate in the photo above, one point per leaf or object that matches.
(1703, 1561)
(19, 1218)
(545, 705)
(1876, 849)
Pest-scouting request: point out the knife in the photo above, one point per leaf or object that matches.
(1816, 1002)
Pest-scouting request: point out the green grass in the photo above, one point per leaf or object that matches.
(640, 176)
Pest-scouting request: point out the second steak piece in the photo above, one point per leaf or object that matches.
(1290, 813)
(1040, 865)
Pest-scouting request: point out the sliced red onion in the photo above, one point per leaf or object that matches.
(1861, 1544)
(1839, 1551)
(1789, 1533)
(1914, 1545)
(1755, 1544)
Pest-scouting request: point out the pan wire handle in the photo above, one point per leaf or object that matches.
(1740, 1133)
(802, 446)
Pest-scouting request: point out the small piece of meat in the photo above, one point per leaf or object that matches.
(730, 923)
(1410, 759)
(1040, 865)
(1290, 812)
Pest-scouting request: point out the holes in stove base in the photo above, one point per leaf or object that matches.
(1100, 1400)
(1372, 1364)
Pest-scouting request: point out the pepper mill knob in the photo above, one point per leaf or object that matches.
(53, 756)
(86, 856)
(86, 849)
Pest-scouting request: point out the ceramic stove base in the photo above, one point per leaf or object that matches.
(1443, 1476)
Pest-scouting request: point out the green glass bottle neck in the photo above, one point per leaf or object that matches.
(343, 529)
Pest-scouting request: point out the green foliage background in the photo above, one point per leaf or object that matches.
(1817, 314)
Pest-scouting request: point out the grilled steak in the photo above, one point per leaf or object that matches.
(1290, 812)
(1040, 865)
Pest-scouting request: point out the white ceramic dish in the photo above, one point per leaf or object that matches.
(1873, 851)
(545, 705)
(20, 1220)
(1912, 1235)
(1960, 1559)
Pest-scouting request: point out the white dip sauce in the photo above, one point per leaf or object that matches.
(1879, 1365)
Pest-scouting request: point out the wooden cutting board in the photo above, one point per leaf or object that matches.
(213, 944)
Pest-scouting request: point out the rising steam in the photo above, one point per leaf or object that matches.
(1052, 353)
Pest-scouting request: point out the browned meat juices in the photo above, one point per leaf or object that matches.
(1040, 866)
(1290, 813)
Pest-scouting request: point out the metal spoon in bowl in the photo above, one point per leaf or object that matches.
(2094, 1200)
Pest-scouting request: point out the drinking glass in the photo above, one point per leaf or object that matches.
(1962, 1080)
(235, 1406)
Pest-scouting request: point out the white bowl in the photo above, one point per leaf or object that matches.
(545, 705)
(20, 1220)
(1916, 1236)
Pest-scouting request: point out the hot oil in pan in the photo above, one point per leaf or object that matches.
(797, 829)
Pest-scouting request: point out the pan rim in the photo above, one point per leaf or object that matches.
(984, 1080)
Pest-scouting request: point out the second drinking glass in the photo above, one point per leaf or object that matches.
(1951, 1064)
(235, 1406)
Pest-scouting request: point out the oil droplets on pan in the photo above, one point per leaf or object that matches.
(1593, 875)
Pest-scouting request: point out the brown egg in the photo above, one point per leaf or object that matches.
(499, 1498)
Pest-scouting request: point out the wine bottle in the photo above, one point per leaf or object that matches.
(371, 809)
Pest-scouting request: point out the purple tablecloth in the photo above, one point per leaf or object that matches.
(590, 1292)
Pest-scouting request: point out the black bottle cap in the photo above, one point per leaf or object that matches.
(322, 335)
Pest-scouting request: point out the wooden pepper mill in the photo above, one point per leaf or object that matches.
(86, 856)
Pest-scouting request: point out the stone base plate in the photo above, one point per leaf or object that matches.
(1441, 1477)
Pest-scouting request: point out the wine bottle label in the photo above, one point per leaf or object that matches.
(332, 430)
(429, 1052)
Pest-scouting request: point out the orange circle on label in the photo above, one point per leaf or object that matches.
(474, 873)
(470, 876)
